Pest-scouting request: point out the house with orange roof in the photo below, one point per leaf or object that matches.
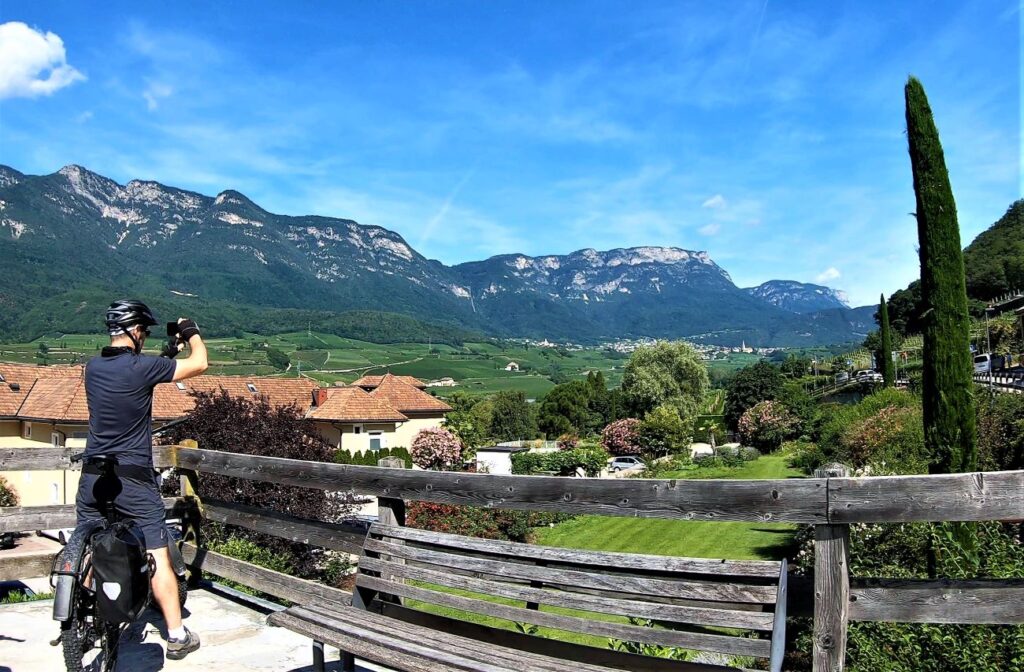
(369, 383)
(389, 415)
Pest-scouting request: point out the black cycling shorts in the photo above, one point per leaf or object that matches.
(137, 500)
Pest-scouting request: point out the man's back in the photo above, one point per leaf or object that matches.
(119, 390)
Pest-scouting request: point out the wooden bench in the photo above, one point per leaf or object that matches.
(727, 607)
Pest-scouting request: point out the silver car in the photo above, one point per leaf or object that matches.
(626, 462)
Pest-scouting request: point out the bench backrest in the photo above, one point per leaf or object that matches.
(702, 604)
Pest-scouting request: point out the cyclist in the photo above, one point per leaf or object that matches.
(119, 390)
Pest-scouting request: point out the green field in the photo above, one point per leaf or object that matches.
(738, 541)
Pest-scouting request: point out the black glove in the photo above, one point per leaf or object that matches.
(170, 350)
(187, 328)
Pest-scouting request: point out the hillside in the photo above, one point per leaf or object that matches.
(72, 240)
(993, 263)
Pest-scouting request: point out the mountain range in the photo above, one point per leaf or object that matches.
(72, 240)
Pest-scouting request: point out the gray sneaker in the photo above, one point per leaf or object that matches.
(179, 648)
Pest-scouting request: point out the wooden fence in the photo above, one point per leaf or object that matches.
(830, 501)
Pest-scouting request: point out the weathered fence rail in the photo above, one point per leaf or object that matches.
(831, 502)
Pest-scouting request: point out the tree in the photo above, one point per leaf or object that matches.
(884, 357)
(277, 359)
(254, 427)
(436, 448)
(466, 421)
(512, 418)
(794, 366)
(667, 373)
(947, 387)
(750, 385)
(567, 409)
(622, 437)
(662, 432)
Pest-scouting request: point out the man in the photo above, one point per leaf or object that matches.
(119, 390)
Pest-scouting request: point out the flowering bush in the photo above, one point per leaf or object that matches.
(890, 441)
(436, 448)
(766, 425)
(568, 441)
(622, 437)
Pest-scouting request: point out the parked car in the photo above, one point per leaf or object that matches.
(987, 363)
(868, 376)
(842, 377)
(625, 462)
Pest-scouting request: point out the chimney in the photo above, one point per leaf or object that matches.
(319, 396)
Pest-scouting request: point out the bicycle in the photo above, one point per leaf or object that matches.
(75, 602)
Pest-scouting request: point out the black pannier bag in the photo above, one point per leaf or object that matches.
(121, 571)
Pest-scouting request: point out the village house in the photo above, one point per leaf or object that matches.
(512, 366)
(376, 412)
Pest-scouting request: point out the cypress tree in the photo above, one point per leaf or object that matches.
(888, 370)
(947, 387)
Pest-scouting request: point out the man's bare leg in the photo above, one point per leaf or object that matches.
(165, 588)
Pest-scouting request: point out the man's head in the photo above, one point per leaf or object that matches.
(128, 322)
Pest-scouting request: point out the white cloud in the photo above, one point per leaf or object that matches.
(831, 273)
(716, 202)
(709, 230)
(32, 63)
(154, 92)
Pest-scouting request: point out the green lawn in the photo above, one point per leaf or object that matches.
(738, 541)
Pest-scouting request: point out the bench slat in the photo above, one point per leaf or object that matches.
(695, 615)
(718, 643)
(657, 563)
(393, 628)
(399, 653)
(634, 585)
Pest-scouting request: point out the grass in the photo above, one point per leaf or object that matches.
(738, 541)
(19, 596)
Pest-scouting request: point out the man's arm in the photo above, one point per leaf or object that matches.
(196, 361)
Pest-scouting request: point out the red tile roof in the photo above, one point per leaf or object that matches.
(56, 400)
(407, 398)
(353, 404)
(24, 376)
(370, 382)
(60, 397)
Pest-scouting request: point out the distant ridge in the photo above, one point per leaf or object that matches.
(71, 240)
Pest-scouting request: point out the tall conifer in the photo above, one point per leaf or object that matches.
(888, 370)
(947, 387)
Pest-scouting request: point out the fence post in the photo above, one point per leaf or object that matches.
(831, 587)
(193, 518)
(391, 511)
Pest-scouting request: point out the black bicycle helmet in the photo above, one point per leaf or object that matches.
(126, 313)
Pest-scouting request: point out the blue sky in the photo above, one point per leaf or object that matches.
(770, 134)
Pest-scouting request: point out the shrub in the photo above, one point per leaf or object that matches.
(901, 551)
(804, 455)
(436, 448)
(766, 425)
(749, 453)
(622, 437)
(568, 441)
(889, 441)
(254, 427)
(252, 552)
(472, 521)
(1000, 431)
(369, 458)
(564, 462)
(662, 431)
(8, 497)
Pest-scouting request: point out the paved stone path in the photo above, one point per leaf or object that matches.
(234, 637)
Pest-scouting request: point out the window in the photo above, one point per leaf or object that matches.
(357, 429)
(55, 490)
(2, 378)
(252, 388)
(377, 441)
(56, 439)
(181, 386)
(26, 430)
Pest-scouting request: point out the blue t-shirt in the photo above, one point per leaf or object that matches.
(119, 391)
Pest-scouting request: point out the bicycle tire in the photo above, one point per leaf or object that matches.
(71, 641)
